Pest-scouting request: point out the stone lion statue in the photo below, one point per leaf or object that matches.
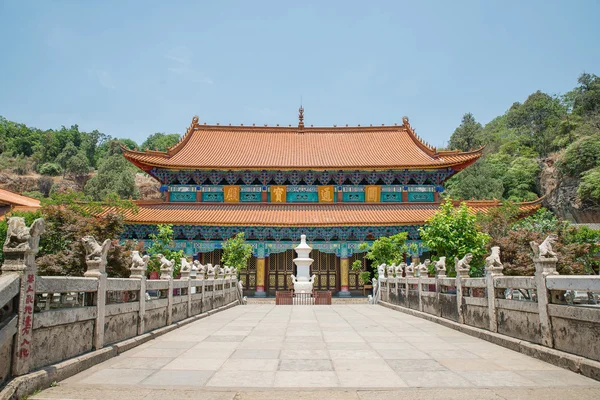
(544, 250)
(410, 269)
(492, 262)
(440, 267)
(21, 238)
(201, 269)
(312, 278)
(398, 270)
(381, 270)
(137, 261)
(390, 271)
(185, 265)
(463, 266)
(210, 271)
(423, 268)
(93, 251)
(164, 263)
(243, 299)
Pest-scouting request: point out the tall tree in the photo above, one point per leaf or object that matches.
(115, 176)
(467, 136)
(160, 141)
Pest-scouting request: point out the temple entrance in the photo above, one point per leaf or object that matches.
(327, 269)
(280, 267)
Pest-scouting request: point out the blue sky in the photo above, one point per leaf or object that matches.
(130, 69)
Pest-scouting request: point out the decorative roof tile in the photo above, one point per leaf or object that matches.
(254, 147)
(304, 215)
(15, 199)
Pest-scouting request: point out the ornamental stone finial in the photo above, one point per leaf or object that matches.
(21, 244)
(544, 250)
(95, 256)
(139, 265)
(440, 267)
(463, 266)
(166, 267)
(493, 265)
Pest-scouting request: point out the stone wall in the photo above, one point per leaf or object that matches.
(538, 309)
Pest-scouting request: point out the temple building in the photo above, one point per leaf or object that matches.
(341, 186)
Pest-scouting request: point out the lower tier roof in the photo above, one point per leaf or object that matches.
(297, 214)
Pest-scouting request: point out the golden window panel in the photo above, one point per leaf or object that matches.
(326, 194)
(231, 194)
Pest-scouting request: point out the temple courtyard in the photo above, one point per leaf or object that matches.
(354, 351)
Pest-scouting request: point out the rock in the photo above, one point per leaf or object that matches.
(148, 187)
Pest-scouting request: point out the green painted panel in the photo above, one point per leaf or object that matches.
(187, 197)
(391, 197)
(302, 197)
(212, 196)
(353, 197)
(250, 197)
(421, 197)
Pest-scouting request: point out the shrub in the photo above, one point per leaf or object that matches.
(589, 187)
(581, 156)
(50, 169)
(45, 185)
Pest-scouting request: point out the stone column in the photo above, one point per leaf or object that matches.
(95, 259)
(138, 269)
(260, 277)
(344, 276)
(19, 249)
(544, 266)
(493, 268)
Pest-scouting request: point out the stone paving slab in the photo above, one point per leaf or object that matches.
(341, 350)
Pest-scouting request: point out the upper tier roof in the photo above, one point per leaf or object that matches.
(286, 148)
(302, 215)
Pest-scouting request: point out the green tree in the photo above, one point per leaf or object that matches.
(160, 141)
(479, 181)
(388, 249)
(537, 120)
(78, 168)
(236, 252)
(468, 134)
(586, 97)
(520, 179)
(162, 242)
(115, 175)
(453, 232)
(65, 156)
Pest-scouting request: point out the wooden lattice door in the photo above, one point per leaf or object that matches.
(211, 257)
(325, 268)
(281, 267)
(248, 275)
(353, 281)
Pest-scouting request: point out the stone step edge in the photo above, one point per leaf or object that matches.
(26, 385)
(578, 364)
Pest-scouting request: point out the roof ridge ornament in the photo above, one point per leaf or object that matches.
(301, 119)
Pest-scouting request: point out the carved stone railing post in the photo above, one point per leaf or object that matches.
(19, 249)
(166, 274)
(493, 268)
(95, 259)
(139, 266)
(543, 268)
(186, 273)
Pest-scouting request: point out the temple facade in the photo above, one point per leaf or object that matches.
(341, 186)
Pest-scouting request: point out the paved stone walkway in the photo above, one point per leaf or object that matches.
(334, 347)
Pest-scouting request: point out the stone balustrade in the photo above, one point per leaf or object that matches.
(47, 319)
(548, 309)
